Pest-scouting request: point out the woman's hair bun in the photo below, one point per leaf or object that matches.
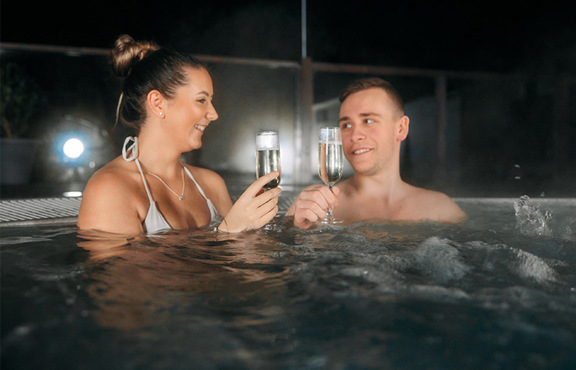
(127, 52)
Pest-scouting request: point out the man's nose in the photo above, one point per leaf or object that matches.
(357, 133)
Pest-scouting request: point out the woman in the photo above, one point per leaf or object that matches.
(167, 98)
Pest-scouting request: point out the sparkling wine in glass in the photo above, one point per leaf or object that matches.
(330, 163)
(268, 160)
(268, 156)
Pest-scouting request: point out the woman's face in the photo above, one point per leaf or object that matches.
(191, 109)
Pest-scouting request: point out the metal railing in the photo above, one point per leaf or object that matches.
(304, 96)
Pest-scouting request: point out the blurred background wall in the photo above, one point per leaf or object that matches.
(489, 88)
(502, 134)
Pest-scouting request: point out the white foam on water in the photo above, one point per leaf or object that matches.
(518, 262)
(530, 219)
(22, 239)
(440, 260)
(436, 292)
(530, 266)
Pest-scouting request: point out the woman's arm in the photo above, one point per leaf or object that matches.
(254, 208)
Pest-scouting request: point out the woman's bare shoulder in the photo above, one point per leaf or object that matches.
(114, 174)
(111, 200)
(203, 172)
(207, 178)
(213, 186)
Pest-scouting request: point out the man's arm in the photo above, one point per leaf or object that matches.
(312, 204)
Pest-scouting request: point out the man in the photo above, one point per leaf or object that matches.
(373, 126)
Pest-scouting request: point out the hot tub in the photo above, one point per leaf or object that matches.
(498, 291)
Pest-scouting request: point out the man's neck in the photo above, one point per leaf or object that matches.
(386, 185)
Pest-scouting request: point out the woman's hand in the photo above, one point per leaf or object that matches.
(254, 208)
(312, 205)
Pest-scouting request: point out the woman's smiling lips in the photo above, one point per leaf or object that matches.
(199, 127)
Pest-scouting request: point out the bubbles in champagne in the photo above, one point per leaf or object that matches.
(268, 156)
(330, 158)
(268, 160)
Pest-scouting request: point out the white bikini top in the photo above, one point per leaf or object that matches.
(154, 221)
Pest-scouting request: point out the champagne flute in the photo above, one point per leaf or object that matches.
(268, 160)
(330, 163)
(268, 156)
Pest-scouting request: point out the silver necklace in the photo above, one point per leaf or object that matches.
(181, 196)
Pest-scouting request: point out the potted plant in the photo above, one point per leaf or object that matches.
(20, 97)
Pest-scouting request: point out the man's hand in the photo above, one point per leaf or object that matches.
(312, 205)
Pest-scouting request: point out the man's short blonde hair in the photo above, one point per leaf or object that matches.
(374, 82)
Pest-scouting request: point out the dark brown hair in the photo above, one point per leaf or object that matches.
(374, 82)
(144, 67)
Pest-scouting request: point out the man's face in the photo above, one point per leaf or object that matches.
(371, 131)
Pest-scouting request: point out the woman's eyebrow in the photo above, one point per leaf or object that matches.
(203, 92)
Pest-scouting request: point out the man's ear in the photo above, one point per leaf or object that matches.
(155, 101)
(403, 128)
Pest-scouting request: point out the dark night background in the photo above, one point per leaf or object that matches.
(533, 40)
(503, 36)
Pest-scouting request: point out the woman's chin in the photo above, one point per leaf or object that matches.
(194, 143)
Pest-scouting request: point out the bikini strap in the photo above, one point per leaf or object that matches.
(197, 186)
(214, 216)
(130, 148)
(144, 180)
(130, 153)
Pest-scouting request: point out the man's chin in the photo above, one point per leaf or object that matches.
(367, 168)
(364, 170)
(359, 164)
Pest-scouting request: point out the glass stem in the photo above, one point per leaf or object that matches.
(329, 213)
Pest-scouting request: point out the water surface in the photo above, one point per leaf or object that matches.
(492, 293)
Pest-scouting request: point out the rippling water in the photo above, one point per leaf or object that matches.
(492, 293)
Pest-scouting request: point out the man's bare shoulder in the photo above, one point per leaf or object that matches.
(434, 205)
(345, 186)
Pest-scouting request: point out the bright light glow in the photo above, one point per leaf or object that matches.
(72, 194)
(73, 148)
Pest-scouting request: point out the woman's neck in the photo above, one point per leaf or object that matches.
(157, 155)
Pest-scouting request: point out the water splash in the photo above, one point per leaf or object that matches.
(530, 219)
(440, 260)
